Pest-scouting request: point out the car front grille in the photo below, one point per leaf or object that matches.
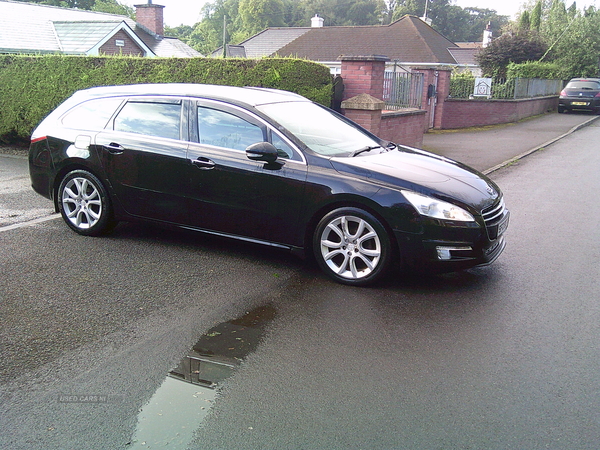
(493, 217)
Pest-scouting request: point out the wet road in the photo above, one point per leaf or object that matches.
(500, 357)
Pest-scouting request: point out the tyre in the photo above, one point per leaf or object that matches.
(352, 246)
(84, 204)
(561, 110)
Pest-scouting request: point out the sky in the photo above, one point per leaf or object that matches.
(187, 12)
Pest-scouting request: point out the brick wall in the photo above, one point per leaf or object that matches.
(371, 120)
(363, 91)
(468, 113)
(130, 48)
(403, 127)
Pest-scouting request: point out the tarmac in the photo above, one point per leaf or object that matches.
(489, 148)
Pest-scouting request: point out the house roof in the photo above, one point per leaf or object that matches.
(34, 28)
(408, 40)
(81, 37)
(465, 56)
(466, 53)
(270, 40)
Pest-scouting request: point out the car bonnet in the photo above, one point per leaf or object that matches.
(422, 172)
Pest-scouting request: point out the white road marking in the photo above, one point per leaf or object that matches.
(29, 223)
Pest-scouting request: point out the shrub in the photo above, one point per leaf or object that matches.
(536, 69)
(32, 86)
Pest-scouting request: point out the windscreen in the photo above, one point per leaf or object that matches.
(321, 130)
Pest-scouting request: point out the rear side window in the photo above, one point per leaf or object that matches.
(151, 119)
(91, 115)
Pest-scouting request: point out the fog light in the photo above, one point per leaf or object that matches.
(444, 254)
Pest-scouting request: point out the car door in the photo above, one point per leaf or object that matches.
(232, 194)
(145, 157)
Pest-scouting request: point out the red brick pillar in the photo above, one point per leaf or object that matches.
(363, 75)
(443, 92)
(439, 78)
(365, 110)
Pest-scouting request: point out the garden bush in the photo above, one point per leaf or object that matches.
(32, 86)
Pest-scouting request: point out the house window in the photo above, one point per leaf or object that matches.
(120, 43)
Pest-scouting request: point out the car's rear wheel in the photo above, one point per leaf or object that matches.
(561, 109)
(352, 246)
(84, 204)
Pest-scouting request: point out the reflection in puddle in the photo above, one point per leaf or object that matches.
(180, 404)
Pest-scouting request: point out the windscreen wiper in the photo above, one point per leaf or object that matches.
(368, 148)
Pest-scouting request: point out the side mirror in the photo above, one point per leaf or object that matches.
(262, 151)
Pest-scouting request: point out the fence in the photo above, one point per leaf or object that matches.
(503, 89)
(402, 90)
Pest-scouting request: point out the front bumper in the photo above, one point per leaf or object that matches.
(452, 249)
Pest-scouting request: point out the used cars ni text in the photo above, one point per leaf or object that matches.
(580, 94)
(265, 166)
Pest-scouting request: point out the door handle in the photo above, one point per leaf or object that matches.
(203, 163)
(114, 148)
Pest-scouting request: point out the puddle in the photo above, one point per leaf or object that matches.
(179, 405)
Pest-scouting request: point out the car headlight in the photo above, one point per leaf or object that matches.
(438, 209)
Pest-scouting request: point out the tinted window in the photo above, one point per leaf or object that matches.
(223, 129)
(583, 85)
(321, 130)
(91, 115)
(283, 150)
(152, 119)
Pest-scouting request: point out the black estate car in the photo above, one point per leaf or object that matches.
(265, 166)
(580, 94)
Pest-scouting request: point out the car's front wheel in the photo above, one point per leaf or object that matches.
(84, 204)
(352, 246)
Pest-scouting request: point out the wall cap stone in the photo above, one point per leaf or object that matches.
(365, 102)
(404, 112)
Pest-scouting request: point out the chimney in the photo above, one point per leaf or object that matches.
(151, 17)
(316, 22)
(487, 35)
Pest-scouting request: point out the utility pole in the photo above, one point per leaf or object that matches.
(224, 35)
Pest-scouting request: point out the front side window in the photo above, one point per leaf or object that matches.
(223, 129)
(151, 119)
(283, 149)
(91, 115)
(320, 130)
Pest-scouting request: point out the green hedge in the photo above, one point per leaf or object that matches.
(536, 69)
(32, 86)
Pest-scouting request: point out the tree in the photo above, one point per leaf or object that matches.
(510, 47)
(572, 37)
(256, 15)
(525, 21)
(455, 23)
(536, 16)
(113, 7)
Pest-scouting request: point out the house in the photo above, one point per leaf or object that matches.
(466, 53)
(31, 28)
(408, 41)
